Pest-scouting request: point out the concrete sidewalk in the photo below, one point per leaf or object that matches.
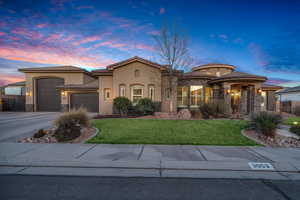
(149, 161)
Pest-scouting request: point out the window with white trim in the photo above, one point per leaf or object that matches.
(136, 93)
(182, 96)
(151, 92)
(122, 92)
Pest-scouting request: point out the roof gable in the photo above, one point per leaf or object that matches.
(135, 59)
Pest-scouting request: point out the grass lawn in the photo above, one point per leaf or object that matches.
(155, 131)
(290, 120)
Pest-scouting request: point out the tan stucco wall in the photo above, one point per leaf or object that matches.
(148, 75)
(87, 78)
(105, 107)
(69, 78)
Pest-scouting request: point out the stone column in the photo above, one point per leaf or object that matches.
(244, 101)
(227, 98)
(257, 98)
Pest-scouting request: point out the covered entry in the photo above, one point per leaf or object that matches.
(90, 101)
(48, 97)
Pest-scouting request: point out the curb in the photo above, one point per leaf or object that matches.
(255, 140)
(90, 137)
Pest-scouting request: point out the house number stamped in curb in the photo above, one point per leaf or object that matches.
(260, 166)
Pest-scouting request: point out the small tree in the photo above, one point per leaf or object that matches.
(172, 49)
(122, 104)
(145, 106)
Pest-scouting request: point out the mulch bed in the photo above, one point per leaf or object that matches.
(86, 133)
(277, 141)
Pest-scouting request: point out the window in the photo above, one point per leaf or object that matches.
(14, 90)
(122, 92)
(196, 95)
(264, 101)
(136, 93)
(218, 74)
(182, 96)
(208, 94)
(151, 93)
(107, 94)
(167, 93)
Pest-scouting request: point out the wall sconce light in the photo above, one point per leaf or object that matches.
(28, 94)
(259, 91)
(295, 123)
(228, 91)
(63, 93)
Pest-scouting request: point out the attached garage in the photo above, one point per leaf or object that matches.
(48, 96)
(90, 101)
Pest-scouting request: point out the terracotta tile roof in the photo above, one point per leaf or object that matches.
(135, 58)
(91, 85)
(213, 65)
(288, 90)
(239, 76)
(197, 74)
(270, 87)
(55, 68)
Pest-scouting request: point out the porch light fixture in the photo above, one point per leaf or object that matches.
(28, 94)
(63, 93)
(295, 123)
(259, 91)
(228, 91)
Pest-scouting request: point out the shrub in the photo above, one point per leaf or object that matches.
(265, 122)
(214, 109)
(122, 105)
(157, 106)
(297, 111)
(69, 124)
(295, 129)
(39, 134)
(145, 106)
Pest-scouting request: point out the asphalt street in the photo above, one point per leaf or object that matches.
(16, 125)
(60, 187)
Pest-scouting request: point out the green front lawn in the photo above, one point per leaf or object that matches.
(155, 131)
(290, 120)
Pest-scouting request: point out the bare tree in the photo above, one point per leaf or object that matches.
(172, 49)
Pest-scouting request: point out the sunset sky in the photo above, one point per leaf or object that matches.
(260, 37)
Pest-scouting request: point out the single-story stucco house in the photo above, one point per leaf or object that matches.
(289, 98)
(65, 87)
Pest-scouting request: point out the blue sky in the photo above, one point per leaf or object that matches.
(260, 37)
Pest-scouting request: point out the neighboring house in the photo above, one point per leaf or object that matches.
(17, 88)
(289, 98)
(12, 97)
(66, 87)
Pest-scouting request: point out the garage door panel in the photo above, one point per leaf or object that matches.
(90, 101)
(48, 97)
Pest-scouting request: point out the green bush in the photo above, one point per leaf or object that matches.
(212, 109)
(122, 105)
(39, 134)
(69, 124)
(297, 111)
(145, 106)
(265, 122)
(295, 129)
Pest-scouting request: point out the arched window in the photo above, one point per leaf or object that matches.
(136, 73)
(151, 92)
(122, 91)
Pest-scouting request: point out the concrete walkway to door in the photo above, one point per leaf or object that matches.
(150, 161)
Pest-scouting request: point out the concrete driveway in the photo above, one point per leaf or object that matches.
(16, 125)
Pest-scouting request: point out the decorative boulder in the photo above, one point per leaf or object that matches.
(184, 114)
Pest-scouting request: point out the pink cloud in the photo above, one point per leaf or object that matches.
(112, 44)
(68, 38)
(2, 33)
(162, 10)
(53, 37)
(27, 33)
(153, 32)
(87, 40)
(8, 78)
(144, 46)
(41, 25)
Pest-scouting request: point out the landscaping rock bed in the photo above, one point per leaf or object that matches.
(277, 141)
(86, 133)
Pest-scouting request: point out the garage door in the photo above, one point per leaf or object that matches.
(48, 97)
(90, 101)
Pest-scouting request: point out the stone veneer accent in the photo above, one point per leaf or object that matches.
(64, 107)
(29, 108)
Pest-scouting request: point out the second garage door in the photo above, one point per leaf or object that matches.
(90, 101)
